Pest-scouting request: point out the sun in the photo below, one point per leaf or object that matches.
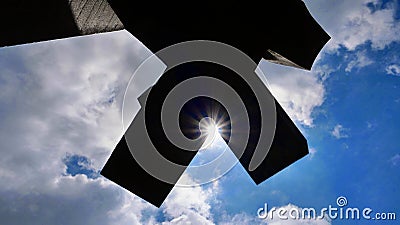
(210, 129)
(212, 124)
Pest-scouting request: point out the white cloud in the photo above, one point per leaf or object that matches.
(361, 60)
(63, 98)
(298, 91)
(190, 205)
(339, 132)
(324, 70)
(352, 23)
(240, 218)
(393, 69)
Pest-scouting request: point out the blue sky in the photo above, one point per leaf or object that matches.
(61, 118)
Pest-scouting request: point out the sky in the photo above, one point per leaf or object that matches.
(60, 113)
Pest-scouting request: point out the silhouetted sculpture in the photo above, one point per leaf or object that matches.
(279, 31)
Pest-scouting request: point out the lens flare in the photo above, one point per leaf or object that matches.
(211, 129)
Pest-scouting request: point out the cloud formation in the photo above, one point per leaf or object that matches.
(298, 91)
(359, 61)
(60, 121)
(393, 69)
(357, 22)
(339, 132)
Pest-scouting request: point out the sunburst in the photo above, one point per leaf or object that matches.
(211, 128)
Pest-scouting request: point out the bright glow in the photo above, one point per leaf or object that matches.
(210, 129)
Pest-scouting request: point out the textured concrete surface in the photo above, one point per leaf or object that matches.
(27, 21)
(94, 16)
